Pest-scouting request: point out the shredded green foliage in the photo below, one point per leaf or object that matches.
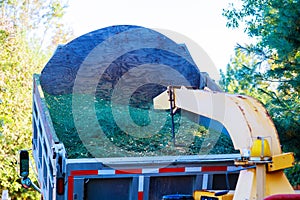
(122, 130)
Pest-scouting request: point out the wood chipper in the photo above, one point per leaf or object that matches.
(252, 132)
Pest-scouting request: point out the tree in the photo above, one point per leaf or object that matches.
(21, 56)
(275, 59)
(269, 68)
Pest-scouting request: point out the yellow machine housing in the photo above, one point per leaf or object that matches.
(244, 118)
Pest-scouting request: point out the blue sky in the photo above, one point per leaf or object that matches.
(199, 20)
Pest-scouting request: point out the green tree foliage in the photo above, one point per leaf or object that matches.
(22, 25)
(271, 68)
(241, 78)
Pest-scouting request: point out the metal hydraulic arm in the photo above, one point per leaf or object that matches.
(252, 132)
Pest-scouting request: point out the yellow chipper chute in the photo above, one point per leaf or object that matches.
(252, 132)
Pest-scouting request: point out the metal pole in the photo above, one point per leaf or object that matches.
(260, 181)
(171, 99)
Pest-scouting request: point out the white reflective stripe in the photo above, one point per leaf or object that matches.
(106, 172)
(205, 182)
(156, 170)
(193, 169)
(150, 170)
(232, 168)
(141, 183)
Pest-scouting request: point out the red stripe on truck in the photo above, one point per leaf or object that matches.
(71, 179)
(70, 187)
(128, 171)
(169, 170)
(213, 168)
(140, 195)
(133, 171)
(84, 172)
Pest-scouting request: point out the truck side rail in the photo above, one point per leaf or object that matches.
(46, 146)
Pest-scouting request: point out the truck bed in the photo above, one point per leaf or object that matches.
(134, 178)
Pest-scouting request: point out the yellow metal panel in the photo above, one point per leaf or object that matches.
(281, 161)
(245, 118)
(245, 185)
(260, 181)
(198, 194)
(218, 107)
(228, 197)
(277, 183)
